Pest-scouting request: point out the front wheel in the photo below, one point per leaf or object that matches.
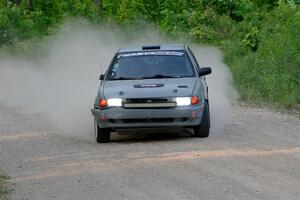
(102, 134)
(202, 130)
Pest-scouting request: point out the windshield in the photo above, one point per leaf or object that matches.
(147, 65)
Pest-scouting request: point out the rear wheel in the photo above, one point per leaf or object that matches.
(202, 130)
(102, 134)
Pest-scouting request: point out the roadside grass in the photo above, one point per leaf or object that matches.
(4, 191)
(271, 74)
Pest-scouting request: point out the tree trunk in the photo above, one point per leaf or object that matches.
(30, 5)
(97, 2)
(17, 2)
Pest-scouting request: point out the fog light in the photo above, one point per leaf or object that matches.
(193, 115)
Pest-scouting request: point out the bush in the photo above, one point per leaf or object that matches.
(272, 73)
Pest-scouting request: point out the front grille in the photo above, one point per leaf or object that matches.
(149, 103)
(147, 100)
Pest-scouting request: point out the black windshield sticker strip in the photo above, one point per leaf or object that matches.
(152, 53)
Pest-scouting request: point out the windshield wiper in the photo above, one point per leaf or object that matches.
(160, 76)
(123, 78)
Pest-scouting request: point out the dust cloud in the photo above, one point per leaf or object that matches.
(64, 83)
(220, 89)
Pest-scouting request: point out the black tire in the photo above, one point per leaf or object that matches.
(202, 130)
(102, 134)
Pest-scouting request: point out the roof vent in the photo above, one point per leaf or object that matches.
(151, 47)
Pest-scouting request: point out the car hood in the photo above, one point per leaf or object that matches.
(146, 88)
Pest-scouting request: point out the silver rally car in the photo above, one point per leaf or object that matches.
(152, 87)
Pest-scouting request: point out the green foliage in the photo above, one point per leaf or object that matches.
(272, 73)
(18, 23)
(260, 38)
(15, 25)
(251, 39)
(4, 192)
(236, 9)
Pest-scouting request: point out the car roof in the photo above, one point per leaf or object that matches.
(160, 47)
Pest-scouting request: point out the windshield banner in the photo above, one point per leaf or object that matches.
(151, 53)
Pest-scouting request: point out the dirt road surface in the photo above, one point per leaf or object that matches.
(255, 157)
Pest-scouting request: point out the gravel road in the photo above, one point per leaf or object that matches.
(256, 157)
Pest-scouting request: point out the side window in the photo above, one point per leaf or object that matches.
(114, 69)
(193, 59)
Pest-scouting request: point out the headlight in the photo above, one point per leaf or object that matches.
(114, 102)
(183, 101)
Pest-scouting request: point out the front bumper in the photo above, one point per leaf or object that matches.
(119, 117)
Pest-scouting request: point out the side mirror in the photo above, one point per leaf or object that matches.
(204, 71)
(101, 77)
